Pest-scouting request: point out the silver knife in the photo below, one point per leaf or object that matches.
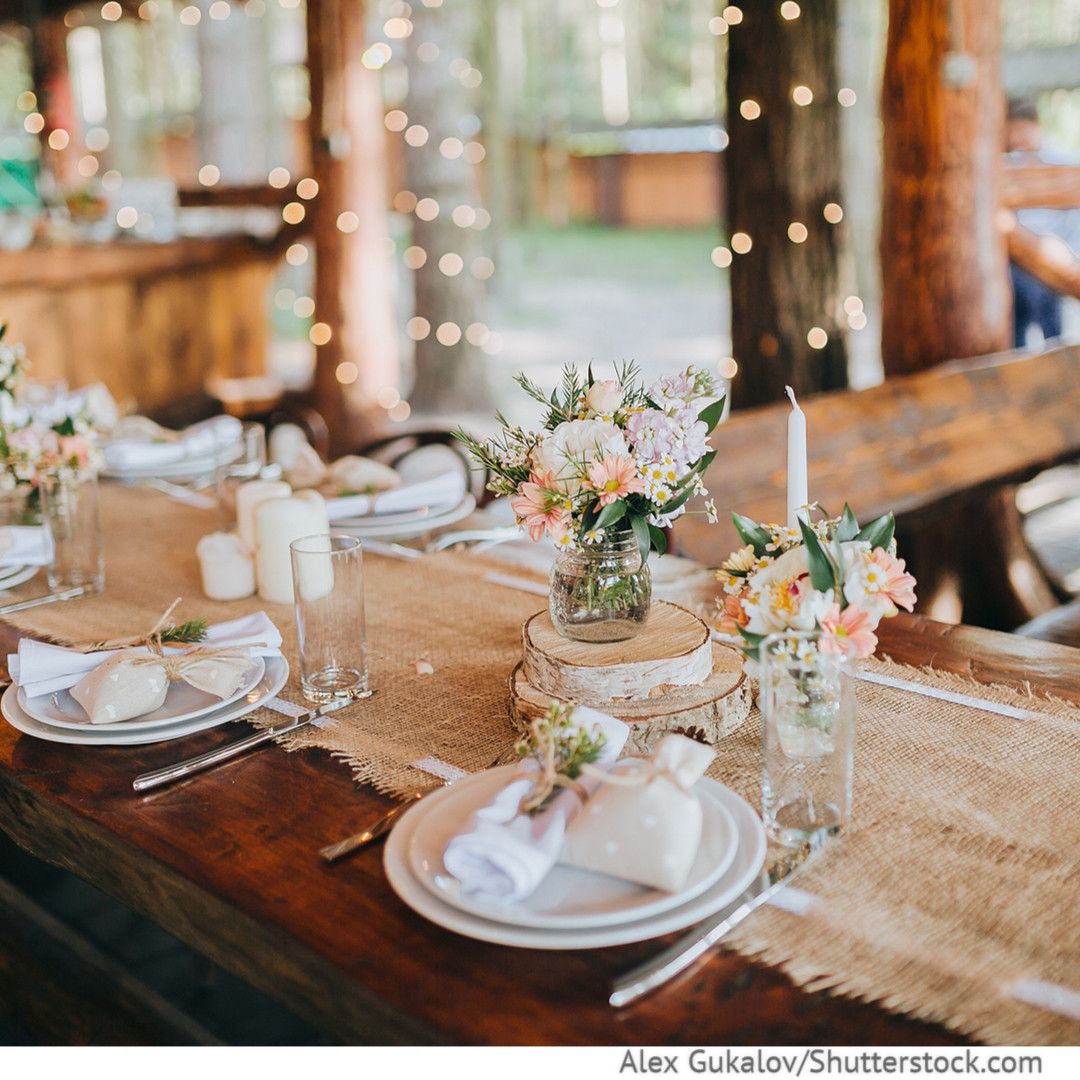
(232, 749)
(694, 945)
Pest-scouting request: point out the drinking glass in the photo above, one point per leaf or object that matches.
(69, 509)
(328, 587)
(807, 700)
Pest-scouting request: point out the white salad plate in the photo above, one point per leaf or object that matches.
(16, 575)
(274, 678)
(568, 898)
(423, 896)
(182, 702)
(407, 522)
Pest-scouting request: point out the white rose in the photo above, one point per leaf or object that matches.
(604, 397)
(568, 451)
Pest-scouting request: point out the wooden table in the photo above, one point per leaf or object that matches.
(227, 863)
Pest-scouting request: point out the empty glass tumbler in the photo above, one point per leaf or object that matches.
(328, 587)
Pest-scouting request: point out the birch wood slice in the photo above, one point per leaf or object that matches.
(673, 650)
(707, 712)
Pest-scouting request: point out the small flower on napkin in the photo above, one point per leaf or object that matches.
(643, 824)
(504, 854)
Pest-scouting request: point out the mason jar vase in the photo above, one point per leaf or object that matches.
(602, 591)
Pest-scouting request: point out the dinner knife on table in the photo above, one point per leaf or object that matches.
(232, 749)
(692, 946)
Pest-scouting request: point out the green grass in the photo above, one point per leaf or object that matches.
(634, 256)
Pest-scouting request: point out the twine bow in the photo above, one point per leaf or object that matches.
(544, 749)
(200, 667)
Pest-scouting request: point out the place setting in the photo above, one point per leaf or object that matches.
(616, 854)
(166, 684)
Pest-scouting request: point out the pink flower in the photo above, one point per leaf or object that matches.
(613, 477)
(540, 507)
(849, 629)
(733, 616)
(75, 450)
(899, 584)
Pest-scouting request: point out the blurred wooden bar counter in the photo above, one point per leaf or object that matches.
(153, 321)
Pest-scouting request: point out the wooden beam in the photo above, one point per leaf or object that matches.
(1040, 185)
(1048, 258)
(945, 289)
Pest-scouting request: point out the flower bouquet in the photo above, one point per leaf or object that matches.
(826, 584)
(614, 464)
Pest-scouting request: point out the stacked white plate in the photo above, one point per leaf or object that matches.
(572, 909)
(189, 468)
(60, 718)
(10, 576)
(406, 523)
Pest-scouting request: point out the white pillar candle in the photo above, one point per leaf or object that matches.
(228, 567)
(278, 522)
(248, 497)
(797, 496)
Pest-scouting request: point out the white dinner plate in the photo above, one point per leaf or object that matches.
(18, 575)
(746, 865)
(182, 702)
(408, 522)
(568, 898)
(187, 468)
(274, 678)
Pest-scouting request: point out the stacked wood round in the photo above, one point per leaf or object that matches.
(670, 678)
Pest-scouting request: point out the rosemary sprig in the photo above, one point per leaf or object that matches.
(185, 633)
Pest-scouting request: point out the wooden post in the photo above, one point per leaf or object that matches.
(783, 167)
(353, 287)
(945, 289)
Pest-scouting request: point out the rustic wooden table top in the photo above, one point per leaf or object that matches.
(227, 862)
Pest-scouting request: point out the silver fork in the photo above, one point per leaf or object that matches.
(383, 825)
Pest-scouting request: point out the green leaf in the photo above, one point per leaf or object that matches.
(751, 533)
(822, 573)
(711, 413)
(641, 535)
(879, 532)
(610, 514)
(659, 539)
(848, 528)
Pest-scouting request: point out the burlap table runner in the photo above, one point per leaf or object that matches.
(956, 881)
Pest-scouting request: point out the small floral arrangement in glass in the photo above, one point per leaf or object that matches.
(829, 584)
(614, 464)
(46, 440)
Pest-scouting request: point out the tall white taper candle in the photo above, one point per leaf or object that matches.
(797, 497)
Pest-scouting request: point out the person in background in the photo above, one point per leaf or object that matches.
(1033, 301)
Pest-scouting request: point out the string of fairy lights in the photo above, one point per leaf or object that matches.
(798, 232)
(396, 29)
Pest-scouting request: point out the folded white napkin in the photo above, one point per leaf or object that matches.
(155, 447)
(40, 668)
(25, 545)
(502, 856)
(446, 489)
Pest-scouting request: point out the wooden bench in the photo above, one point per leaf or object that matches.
(944, 449)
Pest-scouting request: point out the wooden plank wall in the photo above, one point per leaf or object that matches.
(153, 323)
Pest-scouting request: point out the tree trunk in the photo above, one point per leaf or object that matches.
(945, 289)
(449, 369)
(783, 168)
(353, 283)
